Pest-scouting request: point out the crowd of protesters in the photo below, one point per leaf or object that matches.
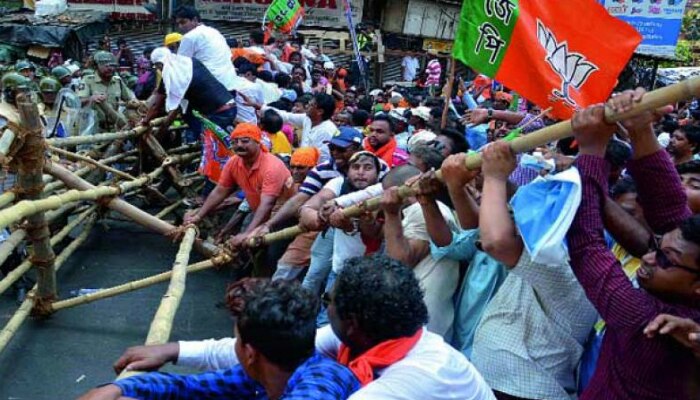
(431, 296)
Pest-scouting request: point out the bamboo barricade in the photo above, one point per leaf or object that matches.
(91, 161)
(18, 236)
(7, 198)
(27, 208)
(135, 285)
(28, 304)
(21, 269)
(104, 137)
(651, 101)
(141, 217)
(58, 184)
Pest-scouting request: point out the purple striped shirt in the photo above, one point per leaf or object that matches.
(630, 365)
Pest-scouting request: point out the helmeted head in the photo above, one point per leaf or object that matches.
(62, 73)
(12, 84)
(25, 68)
(49, 87)
(106, 64)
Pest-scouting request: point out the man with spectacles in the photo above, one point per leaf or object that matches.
(259, 174)
(632, 366)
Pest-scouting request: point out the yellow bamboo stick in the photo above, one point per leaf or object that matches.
(7, 198)
(92, 162)
(651, 101)
(21, 269)
(25, 308)
(103, 137)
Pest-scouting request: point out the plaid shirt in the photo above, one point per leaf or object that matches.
(318, 377)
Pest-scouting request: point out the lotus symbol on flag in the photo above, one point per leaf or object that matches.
(572, 67)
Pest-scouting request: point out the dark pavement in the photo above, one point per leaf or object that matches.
(73, 351)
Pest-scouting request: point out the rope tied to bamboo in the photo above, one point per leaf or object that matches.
(42, 262)
(33, 191)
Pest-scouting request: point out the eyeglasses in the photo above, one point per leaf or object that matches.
(326, 300)
(663, 261)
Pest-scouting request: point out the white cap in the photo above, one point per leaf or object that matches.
(422, 136)
(422, 112)
(328, 65)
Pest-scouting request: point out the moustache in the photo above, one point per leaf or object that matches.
(239, 149)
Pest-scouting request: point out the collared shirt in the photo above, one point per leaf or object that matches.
(483, 278)
(431, 370)
(318, 377)
(630, 365)
(531, 337)
(311, 136)
(209, 46)
(267, 176)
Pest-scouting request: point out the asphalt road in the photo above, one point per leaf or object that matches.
(66, 355)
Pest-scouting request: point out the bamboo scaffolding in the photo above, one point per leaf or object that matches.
(21, 269)
(103, 137)
(141, 217)
(17, 236)
(129, 287)
(651, 101)
(28, 304)
(92, 162)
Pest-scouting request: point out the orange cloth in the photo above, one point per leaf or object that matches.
(245, 129)
(305, 157)
(214, 156)
(503, 96)
(255, 58)
(385, 152)
(267, 176)
(380, 356)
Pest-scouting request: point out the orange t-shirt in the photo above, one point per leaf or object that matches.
(267, 176)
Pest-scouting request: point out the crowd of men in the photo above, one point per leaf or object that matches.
(433, 296)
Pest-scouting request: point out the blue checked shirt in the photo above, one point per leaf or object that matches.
(318, 378)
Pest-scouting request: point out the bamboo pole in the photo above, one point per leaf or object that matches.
(141, 217)
(28, 304)
(651, 101)
(103, 137)
(92, 162)
(17, 236)
(448, 94)
(7, 198)
(21, 269)
(167, 210)
(128, 287)
(82, 171)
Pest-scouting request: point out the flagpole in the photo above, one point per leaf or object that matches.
(651, 101)
(448, 94)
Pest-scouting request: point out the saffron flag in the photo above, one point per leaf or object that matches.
(284, 15)
(560, 54)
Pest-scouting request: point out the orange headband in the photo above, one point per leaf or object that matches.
(247, 130)
(305, 157)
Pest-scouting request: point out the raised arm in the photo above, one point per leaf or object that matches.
(438, 230)
(456, 177)
(498, 234)
(398, 246)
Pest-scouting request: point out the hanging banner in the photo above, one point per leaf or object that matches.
(326, 13)
(658, 21)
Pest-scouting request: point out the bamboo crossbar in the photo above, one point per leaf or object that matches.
(21, 269)
(82, 171)
(651, 101)
(7, 198)
(127, 287)
(103, 137)
(92, 162)
(25, 308)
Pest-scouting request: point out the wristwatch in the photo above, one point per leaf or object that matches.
(490, 114)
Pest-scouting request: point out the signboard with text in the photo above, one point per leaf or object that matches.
(659, 22)
(326, 13)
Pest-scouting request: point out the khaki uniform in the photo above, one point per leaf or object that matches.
(116, 91)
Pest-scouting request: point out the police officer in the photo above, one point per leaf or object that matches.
(49, 87)
(63, 75)
(105, 90)
(11, 85)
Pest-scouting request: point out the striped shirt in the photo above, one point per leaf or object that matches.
(631, 366)
(317, 178)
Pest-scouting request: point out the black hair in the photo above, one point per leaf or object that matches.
(365, 103)
(279, 321)
(414, 101)
(246, 67)
(326, 103)
(296, 67)
(623, 186)
(187, 12)
(304, 99)
(359, 117)
(266, 76)
(294, 53)
(283, 80)
(258, 37)
(383, 117)
(383, 295)
(239, 62)
(232, 43)
(399, 175)
(692, 133)
(121, 41)
(296, 87)
(271, 121)
(282, 104)
(618, 153)
(669, 124)
(430, 155)
(690, 230)
(567, 147)
(690, 167)
(460, 144)
(148, 50)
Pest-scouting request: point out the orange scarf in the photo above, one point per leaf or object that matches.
(380, 356)
(385, 152)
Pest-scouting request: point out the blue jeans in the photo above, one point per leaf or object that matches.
(321, 262)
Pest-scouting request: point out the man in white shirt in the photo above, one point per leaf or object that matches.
(207, 45)
(316, 125)
(409, 66)
(249, 92)
(377, 309)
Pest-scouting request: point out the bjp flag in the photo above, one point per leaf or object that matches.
(559, 54)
